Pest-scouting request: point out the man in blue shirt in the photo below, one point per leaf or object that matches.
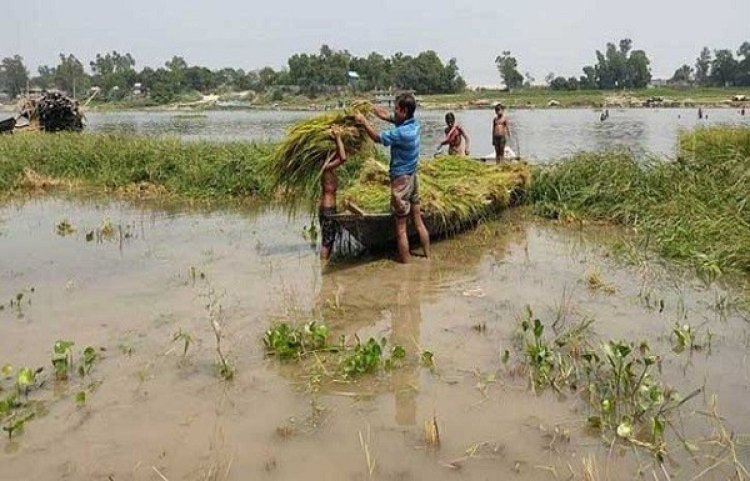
(404, 143)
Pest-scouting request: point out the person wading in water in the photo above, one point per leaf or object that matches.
(327, 207)
(500, 132)
(453, 135)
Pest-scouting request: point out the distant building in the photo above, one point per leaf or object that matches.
(658, 82)
(138, 90)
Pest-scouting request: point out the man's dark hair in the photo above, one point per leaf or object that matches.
(408, 103)
(499, 107)
(450, 118)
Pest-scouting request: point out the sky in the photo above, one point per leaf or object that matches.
(544, 35)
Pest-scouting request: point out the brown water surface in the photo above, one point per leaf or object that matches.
(153, 410)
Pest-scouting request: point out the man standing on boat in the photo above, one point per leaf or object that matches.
(403, 140)
(500, 132)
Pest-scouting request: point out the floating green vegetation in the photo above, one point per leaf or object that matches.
(453, 189)
(134, 165)
(22, 391)
(289, 342)
(620, 381)
(693, 208)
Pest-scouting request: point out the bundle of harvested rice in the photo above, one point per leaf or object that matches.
(297, 163)
(454, 190)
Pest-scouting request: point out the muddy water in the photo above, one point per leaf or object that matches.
(151, 409)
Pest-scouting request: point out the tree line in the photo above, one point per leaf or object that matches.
(621, 67)
(617, 67)
(719, 68)
(311, 74)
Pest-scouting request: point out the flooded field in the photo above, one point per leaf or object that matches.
(136, 281)
(541, 135)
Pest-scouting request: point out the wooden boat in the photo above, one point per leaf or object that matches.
(375, 232)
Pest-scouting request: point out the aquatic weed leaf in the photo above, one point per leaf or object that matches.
(505, 357)
(63, 347)
(81, 398)
(538, 328)
(9, 403)
(657, 427)
(428, 359)
(7, 370)
(88, 358)
(25, 377)
(398, 352)
(364, 359)
(625, 429)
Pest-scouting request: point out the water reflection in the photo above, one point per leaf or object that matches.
(383, 297)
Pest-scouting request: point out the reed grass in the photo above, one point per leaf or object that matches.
(199, 170)
(693, 208)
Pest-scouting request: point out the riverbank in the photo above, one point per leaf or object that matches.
(534, 98)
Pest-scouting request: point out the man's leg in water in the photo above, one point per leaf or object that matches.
(424, 235)
(402, 239)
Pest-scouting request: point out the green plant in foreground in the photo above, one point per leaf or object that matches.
(62, 359)
(185, 338)
(287, 342)
(365, 358)
(624, 393)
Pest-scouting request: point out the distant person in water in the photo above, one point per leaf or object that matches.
(500, 132)
(742, 111)
(700, 113)
(328, 186)
(456, 137)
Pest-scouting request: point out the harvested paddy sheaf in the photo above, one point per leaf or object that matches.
(199, 170)
(692, 209)
(297, 163)
(453, 189)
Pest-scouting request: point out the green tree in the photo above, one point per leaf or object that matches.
(268, 77)
(588, 81)
(638, 70)
(683, 75)
(200, 79)
(559, 83)
(46, 78)
(618, 67)
(702, 67)
(13, 75)
(743, 68)
(70, 76)
(114, 73)
(507, 65)
(724, 68)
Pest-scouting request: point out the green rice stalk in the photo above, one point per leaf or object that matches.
(296, 165)
(454, 190)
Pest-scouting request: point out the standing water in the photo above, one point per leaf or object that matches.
(540, 135)
(138, 287)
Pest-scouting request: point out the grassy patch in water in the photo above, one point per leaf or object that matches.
(693, 209)
(200, 170)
